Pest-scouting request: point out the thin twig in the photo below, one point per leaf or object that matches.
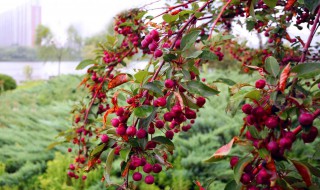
(218, 18)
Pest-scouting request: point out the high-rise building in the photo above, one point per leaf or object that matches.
(18, 25)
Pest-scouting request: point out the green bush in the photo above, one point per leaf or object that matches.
(7, 83)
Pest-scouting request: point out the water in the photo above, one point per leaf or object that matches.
(40, 70)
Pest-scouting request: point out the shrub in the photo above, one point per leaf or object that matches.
(7, 83)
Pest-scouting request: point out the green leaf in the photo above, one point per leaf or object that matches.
(191, 53)
(188, 101)
(140, 15)
(97, 150)
(208, 55)
(151, 86)
(189, 39)
(272, 66)
(250, 24)
(225, 81)
(140, 76)
(124, 153)
(232, 185)
(143, 111)
(254, 132)
(312, 4)
(145, 122)
(108, 166)
(264, 153)
(238, 169)
(165, 141)
(170, 18)
(84, 63)
(200, 88)
(253, 95)
(270, 3)
(169, 57)
(307, 70)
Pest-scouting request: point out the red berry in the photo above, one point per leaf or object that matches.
(233, 161)
(151, 130)
(153, 46)
(157, 168)
(201, 101)
(159, 124)
(169, 134)
(245, 179)
(168, 116)
(155, 35)
(310, 136)
(263, 177)
(169, 83)
(285, 143)
(260, 83)
(246, 108)
(137, 176)
(272, 122)
(177, 44)
(148, 39)
(141, 133)
(273, 147)
(160, 102)
(72, 167)
(144, 43)
(306, 119)
(115, 122)
(250, 119)
(147, 168)
(190, 114)
(158, 53)
(149, 179)
(258, 112)
(69, 149)
(131, 131)
(104, 138)
(121, 130)
(120, 111)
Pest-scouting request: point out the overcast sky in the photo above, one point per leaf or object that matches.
(92, 16)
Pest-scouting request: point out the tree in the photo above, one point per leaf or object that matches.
(162, 99)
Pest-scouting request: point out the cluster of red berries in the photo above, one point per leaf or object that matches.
(150, 44)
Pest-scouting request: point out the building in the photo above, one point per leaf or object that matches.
(18, 25)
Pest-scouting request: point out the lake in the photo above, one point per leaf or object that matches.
(40, 70)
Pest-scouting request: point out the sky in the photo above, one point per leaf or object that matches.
(92, 16)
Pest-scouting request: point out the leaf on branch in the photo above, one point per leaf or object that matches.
(283, 78)
(143, 111)
(108, 167)
(118, 80)
(200, 88)
(208, 56)
(311, 4)
(170, 18)
(189, 39)
(222, 152)
(303, 171)
(307, 70)
(270, 3)
(151, 86)
(84, 63)
(140, 76)
(165, 141)
(272, 66)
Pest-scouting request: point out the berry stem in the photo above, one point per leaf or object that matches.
(219, 16)
(299, 128)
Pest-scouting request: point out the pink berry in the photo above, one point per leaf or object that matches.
(141, 133)
(155, 35)
(159, 124)
(84, 177)
(153, 46)
(168, 116)
(190, 114)
(273, 147)
(177, 44)
(131, 131)
(149, 179)
(158, 53)
(104, 138)
(169, 83)
(72, 167)
(120, 111)
(115, 122)
(147, 168)
(260, 83)
(245, 179)
(148, 39)
(157, 168)
(137, 176)
(160, 102)
(121, 130)
(306, 119)
(285, 143)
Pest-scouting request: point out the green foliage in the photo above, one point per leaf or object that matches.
(7, 83)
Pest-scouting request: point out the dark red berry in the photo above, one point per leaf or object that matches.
(121, 130)
(201, 101)
(285, 143)
(69, 149)
(147, 168)
(159, 124)
(190, 114)
(157, 168)
(149, 179)
(104, 138)
(168, 116)
(151, 130)
(272, 122)
(137, 176)
(273, 147)
(250, 119)
(245, 179)
(310, 136)
(260, 83)
(233, 161)
(160, 102)
(306, 119)
(246, 108)
(141, 133)
(169, 83)
(169, 134)
(263, 177)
